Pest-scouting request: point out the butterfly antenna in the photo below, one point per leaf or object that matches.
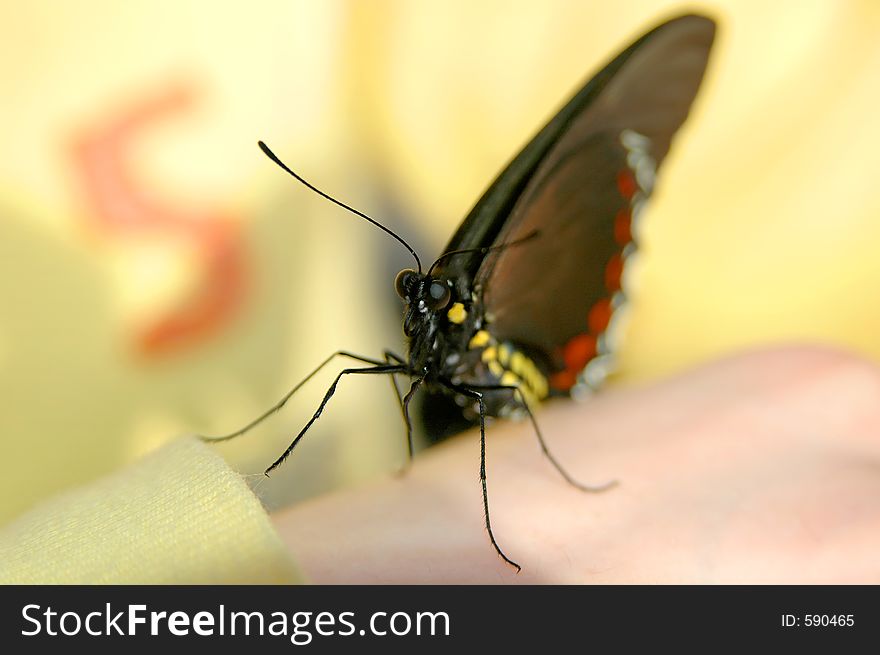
(501, 246)
(271, 155)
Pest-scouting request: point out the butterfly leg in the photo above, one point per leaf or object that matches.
(544, 449)
(277, 406)
(416, 383)
(476, 395)
(391, 358)
(379, 369)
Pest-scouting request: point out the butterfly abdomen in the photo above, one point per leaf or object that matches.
(493, 363)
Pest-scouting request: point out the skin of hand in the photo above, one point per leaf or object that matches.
(761, 468)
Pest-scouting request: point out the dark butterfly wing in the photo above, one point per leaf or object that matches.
(483, 223)
(579, 184)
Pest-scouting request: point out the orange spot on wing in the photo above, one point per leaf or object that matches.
(564, 380)
(599, 316)
(578, 351)
(622, 229)
(626, 184)
(613, 271)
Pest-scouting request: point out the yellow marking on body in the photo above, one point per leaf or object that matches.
(525, 395)
(518, 363)
(538, 382)
(529, 397)
(542, 387)
(457, 313)
(509, 379)
(531, 380)
(512, 368)
(480, 339)
(525, 368)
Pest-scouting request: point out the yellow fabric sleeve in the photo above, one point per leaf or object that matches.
(179, 515)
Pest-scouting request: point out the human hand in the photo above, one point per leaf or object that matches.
(763, 468)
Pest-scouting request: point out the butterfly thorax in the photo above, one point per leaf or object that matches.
(433, 322)
(451, 342)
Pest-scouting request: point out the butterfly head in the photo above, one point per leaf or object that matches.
(427, 298)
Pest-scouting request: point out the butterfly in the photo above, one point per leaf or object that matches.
(521, 304)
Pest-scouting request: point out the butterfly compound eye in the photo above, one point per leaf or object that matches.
(404, 281)
(439, 295)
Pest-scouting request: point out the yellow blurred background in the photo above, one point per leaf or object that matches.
(158, 276)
